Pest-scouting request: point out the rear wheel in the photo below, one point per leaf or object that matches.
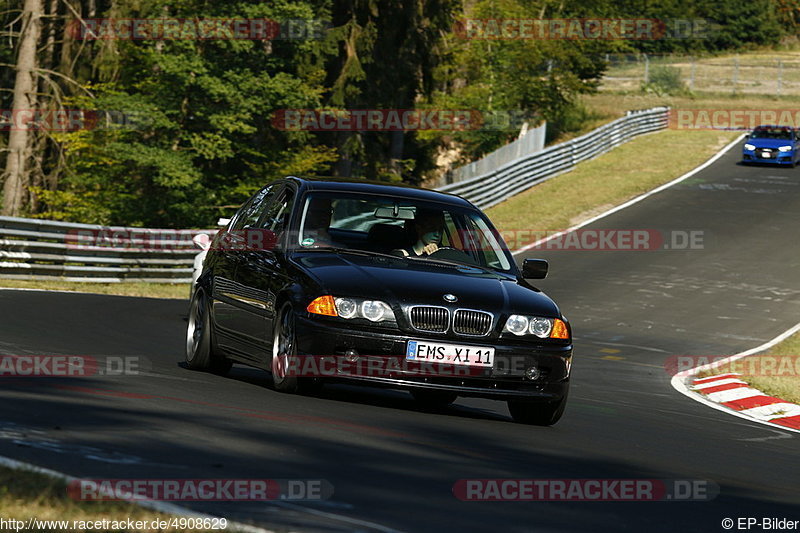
(200, 354)
(434, 398)
(537, 413)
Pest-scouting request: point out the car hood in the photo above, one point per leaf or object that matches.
(410, 281)
(769, 143)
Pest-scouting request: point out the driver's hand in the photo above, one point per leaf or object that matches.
(430, 248)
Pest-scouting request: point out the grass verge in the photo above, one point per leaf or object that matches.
(26, 495)
(776, 372)
(178, 291)
(609, 180)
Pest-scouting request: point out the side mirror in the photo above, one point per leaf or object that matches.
(202, 241)
(534, 269)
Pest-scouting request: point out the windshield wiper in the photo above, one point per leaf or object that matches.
(356, 251)
(452, 262)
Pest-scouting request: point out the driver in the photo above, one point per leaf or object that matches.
(429, 228)
(317, 223)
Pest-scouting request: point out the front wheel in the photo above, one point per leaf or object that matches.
(537, 413)
(284, 357)
(200, 354)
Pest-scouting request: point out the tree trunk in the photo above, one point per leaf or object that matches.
(24, 99)
(40, 143)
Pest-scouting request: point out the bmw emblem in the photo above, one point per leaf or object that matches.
(450, 298)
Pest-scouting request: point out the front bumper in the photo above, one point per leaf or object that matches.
(755, 156)
(505, 380)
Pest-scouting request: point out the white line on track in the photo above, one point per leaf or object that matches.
(635, 200)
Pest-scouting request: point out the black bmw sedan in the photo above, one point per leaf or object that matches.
(319, 280)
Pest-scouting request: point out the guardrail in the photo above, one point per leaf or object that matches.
(501, 183)
(33, 249)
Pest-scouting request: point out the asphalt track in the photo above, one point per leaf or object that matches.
(393, 465)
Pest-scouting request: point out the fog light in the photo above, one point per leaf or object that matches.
(532, 373)
(351, 356)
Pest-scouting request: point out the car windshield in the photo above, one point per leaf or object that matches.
(772, 133)
(424, 231)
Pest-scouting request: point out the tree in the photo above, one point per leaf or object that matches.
(387, 54)
(19, 140)
(200, 135)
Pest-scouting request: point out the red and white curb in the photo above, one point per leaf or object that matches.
(729, 393)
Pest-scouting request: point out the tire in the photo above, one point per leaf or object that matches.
(284, 356)
(537, 413)
(200, 353)
(433, 398)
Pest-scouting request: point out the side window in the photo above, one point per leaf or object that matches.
(249, 214)
(276, 216)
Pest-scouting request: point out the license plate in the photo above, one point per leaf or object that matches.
(766, 155)
(455, 354)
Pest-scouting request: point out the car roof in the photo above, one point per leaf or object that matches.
(376, 187)
(769, 127)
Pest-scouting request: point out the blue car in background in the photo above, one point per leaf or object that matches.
(779, 145)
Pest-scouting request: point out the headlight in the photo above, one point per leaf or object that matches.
(517, 324)
(375, 310)
(544, 328)
(541, 327)
(347, 308)
(785, 148)
(749, 146)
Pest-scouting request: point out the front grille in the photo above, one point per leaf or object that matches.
(429, 318)
(466, 322)
(761, 151)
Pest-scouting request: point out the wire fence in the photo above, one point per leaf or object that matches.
(774, 74)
